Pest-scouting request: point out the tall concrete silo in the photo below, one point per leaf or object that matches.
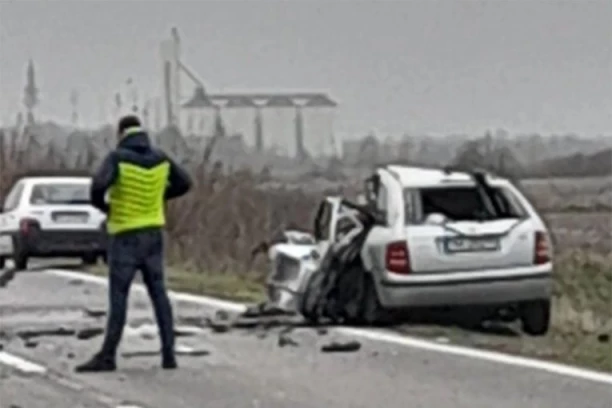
(278, 116)
(198, 114)
(319, 115)
(239, 117)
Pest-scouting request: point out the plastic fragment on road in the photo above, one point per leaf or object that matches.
(60, 331)
(341, 347)
(89, 333)
(6, 277)
(95, 313)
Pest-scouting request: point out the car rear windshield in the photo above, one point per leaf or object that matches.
(465, 203)
(56, 193)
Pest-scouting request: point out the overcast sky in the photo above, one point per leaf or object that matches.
(433, 66)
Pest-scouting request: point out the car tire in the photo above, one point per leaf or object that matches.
(373, 313)
(20, 255)
(89, 259)
(20, 259)
(2, 262)
(535, 317)
(309, 303)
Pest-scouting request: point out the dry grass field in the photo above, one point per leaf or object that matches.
(212, 231)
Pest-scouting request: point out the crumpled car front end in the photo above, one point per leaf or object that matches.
(292, 264)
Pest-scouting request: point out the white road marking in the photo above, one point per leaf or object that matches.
(388, 337)
(21, 364)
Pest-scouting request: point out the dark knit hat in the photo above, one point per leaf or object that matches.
(126, 122)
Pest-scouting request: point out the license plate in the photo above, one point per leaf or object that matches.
(471, 245)
(6, 245)
(71, 219)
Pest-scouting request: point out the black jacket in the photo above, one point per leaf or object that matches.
(136, 149)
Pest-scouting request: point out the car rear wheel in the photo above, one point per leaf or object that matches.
(309, 303)
(20, 258)
(535, 317)
(20, 255)
(373, 313)
(89, 259)
(2, 262)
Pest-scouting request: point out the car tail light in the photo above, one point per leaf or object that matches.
(26, 225)
(542, 250)
(397, 258)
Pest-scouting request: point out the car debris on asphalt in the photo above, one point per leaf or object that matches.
(6, 276)
(341, 347)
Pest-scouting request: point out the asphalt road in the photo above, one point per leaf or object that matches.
(243, 368)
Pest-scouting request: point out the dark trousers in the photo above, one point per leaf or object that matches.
(127, 253)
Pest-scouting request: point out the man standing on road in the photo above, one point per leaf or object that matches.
(139, 179)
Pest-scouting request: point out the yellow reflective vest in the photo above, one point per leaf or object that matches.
(137, 198)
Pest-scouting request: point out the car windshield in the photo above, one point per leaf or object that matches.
(56, 193)
(464, 203)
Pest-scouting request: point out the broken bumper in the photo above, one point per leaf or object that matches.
(520, 285)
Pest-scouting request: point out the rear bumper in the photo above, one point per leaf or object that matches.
(500, 287)
(61, 242)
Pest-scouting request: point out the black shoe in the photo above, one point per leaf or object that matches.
(98, 363)
(169, 363)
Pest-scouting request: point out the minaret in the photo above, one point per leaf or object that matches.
(30, 97)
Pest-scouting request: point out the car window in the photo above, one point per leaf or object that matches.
(466, 203)
(13, 198)
(59, 193)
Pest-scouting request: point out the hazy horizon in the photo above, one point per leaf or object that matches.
(422, 67)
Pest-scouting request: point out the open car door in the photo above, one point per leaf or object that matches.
(296, 259)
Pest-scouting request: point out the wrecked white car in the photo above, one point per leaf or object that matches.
(421, 238)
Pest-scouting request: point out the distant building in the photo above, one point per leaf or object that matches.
(290, 124)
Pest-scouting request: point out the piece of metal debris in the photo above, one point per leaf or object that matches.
(190, 351)
(30, 343)
(222, 315)
(89, 333)
(218, 326)
(183, 331)
(147, 335)
(322, 331)
(265, 309)
(61, 331)
(6, 277)
(95, 313)
(285, 340)
(341, 347)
